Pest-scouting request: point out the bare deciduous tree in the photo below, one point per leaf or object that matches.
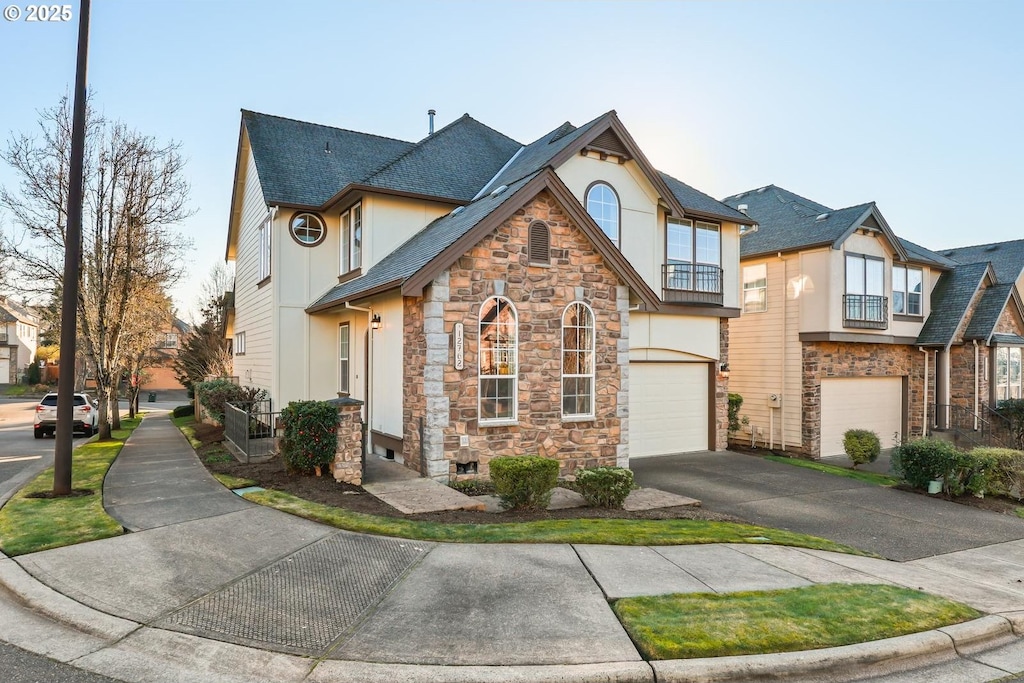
(135, 194)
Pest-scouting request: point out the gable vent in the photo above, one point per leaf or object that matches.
(610, 142)
(539, 246)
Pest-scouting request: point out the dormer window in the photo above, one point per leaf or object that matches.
(907, 286)
(603, 207)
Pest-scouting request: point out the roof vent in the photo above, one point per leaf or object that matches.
(430, 115)
(327, 147)
(821, 217)
(457, 210)
(742, 208)
(992, 247)
(498, 190)
(762, 189)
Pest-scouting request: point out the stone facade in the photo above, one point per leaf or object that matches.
(962, 370)
(842, 359)
(348, 460)
(721, 389)
(441, 404)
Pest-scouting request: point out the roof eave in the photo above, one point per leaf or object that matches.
(348, 194)
(355, 296)
(235, 208)
(787, 250)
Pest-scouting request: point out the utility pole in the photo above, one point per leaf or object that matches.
(72, 264)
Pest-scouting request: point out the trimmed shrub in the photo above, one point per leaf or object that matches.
(524, 482)
(862, 446)
(310, 442)
(182, 411)
(604, 487)
(919, 461)
(1006, 471)
(735, 403)
(970, 473)
(216, 392)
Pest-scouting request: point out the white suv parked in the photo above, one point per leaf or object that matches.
(86, 415)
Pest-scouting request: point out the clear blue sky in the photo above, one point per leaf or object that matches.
(913, 104)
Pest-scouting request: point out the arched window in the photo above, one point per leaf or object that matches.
(539, 243)
(498, 360)
(308, 229)
(603, 207)
(577, 361)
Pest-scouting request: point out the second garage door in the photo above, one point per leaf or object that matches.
(668, 408)
(874, 403)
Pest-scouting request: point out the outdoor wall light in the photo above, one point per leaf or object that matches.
(375, 322)
(723, 371)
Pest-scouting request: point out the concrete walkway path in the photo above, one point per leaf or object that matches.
(213, 588)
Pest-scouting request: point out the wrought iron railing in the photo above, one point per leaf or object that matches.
(691, 283)
(251, 428)
(985, 429)
(865, 311)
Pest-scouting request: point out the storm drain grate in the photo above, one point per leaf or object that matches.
(305, 601)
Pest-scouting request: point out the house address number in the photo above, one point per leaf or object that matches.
(460, 347)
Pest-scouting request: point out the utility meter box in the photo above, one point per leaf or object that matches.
(774, 400)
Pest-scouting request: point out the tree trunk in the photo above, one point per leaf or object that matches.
(115, 411)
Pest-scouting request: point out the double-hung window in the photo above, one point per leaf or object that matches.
(264, 250)
(352, 239)
(343, 358)
(1008, 373)
(907, 285)
(865, 302)
(755, 288)
(693, 255)
(499, 360)
(577, 361)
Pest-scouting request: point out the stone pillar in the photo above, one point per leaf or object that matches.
(438, 410)
(622, 399)
(348, 457)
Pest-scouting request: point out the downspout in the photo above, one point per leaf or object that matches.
(782, 389)
(976, 384)
(369, 378)
(924, 408)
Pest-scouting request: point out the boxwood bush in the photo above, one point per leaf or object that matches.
(182, 411)
(524, 482)
(862, 446)
(310, 442)
(919, 461)
(604, 487)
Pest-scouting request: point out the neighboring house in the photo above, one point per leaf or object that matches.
(160, 373)
(845, 325)
(19, 337)
(484, 297)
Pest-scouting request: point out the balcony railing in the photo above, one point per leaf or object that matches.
(865, 311)
(691, 283)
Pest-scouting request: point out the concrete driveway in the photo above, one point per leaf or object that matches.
(895, 524)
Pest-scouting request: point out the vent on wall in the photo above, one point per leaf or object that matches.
(539, 247)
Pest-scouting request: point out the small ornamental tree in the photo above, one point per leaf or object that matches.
(862, 446)
(310, 435)
(735, 403)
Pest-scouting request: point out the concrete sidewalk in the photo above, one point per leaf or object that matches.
(213, 588)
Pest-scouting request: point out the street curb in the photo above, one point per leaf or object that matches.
(337, 671)
(985, 633)
(58, 607)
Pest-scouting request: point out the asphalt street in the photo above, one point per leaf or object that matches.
(22, 456)
(18, 666)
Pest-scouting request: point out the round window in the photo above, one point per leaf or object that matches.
(308, 229)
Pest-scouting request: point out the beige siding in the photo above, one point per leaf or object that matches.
(386, 367)
(390, 221)
(760, 345)
(672, 337)
(254, 312)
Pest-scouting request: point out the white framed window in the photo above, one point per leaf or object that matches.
(865, 290)
(603, 207)
(344, 367)
(577, 361)
(264, 250)
(351, 239)
(239, 345)
(693, 254)
(498, 361)
(1008, 373)
(308, 229)
(907, 286)
(755, 288)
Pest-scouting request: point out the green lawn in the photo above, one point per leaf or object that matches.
(186, 424)
(604, 531)
(234, 482)
(759, 622)
(859, 475)
(28, 525)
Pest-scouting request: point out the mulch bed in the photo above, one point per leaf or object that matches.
(272, 474)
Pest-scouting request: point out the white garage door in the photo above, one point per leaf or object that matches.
(874, 403)
(5, 371)
(668, 408)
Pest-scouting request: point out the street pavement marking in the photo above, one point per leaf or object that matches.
(19, 458)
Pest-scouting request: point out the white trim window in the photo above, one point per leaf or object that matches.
(907, 287)
(351, 239)
(603, 207)
(694, 256)
(264, 250)
(344, 351)
(1008, 373)
(239, 346)
(499, 361)
(755, 288)
(577, 361)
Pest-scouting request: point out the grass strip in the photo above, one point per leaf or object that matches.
(860, 475)
(603, 531)
(234, 482)
(684, 626)
(187, 425)
(28, 525)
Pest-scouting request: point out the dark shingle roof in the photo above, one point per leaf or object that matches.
(420, 249)
(294, 167)
(454, 162)
(11, 312)
(1015, 339)
(540, 152)
(1007, 258)
(695, 200)
(922, 255)
(950, 299)
(986, 315)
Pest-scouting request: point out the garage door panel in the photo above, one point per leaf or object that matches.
(5, 371)
(668, 408)
(873, 403)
